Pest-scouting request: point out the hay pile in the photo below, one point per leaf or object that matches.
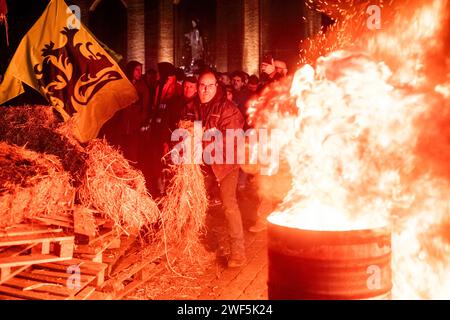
(113, 187)
(38, 129)
(183, 209)
(101, 177)
(45, 170)
(31, 184)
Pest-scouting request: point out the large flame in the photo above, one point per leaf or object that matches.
(367, 139)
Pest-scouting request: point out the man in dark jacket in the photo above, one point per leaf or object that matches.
(164, 116)
(218, 113)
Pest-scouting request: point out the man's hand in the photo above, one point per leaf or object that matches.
(268, 68)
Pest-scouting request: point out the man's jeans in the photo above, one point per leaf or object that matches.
(232, 213)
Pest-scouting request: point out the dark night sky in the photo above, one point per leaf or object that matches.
(22, 14)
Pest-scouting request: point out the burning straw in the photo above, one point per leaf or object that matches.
(117, 190)
(31, 185)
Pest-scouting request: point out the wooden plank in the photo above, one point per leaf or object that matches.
(134, 268)
(64, 248)
(152, 272)
(12, 273)
(23, 230)
(14, 270)
(56, 278)
(85, 293)
(34, 238)
(55, 222)
(7, 297)
(84, 222)
(30, 259)
(98, 246)
(116, 255)
(39, 286)
(86, 267)
(105, 233)
(96, 295)
(27, 294)
(5, 273)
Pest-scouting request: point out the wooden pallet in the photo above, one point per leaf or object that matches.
(96, 247)
(52, 281)
(132, 272)
(25, 245)
(112, 256)
(63, 219)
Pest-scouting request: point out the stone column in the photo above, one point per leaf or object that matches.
(222, 35)
(136, 31)
(165, 38)
(251, 38)
(265, 46)
(234, 25)
(151, 33)
(313, 21)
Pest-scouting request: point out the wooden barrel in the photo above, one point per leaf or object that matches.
(324, 265)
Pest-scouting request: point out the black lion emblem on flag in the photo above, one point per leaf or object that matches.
(70, 76)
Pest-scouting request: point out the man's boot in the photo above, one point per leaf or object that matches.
(237, 257)
(236, 260)
(259, 225)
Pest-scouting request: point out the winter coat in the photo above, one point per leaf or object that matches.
(220, 114)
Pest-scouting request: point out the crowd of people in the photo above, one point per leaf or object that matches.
(217, 99)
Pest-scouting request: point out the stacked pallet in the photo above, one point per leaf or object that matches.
(59, 258)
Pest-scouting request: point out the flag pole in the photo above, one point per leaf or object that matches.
(3, 18)
(6, 31)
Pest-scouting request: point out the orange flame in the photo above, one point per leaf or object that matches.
(367, 134)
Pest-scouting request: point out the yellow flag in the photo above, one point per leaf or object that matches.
(70, 68)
